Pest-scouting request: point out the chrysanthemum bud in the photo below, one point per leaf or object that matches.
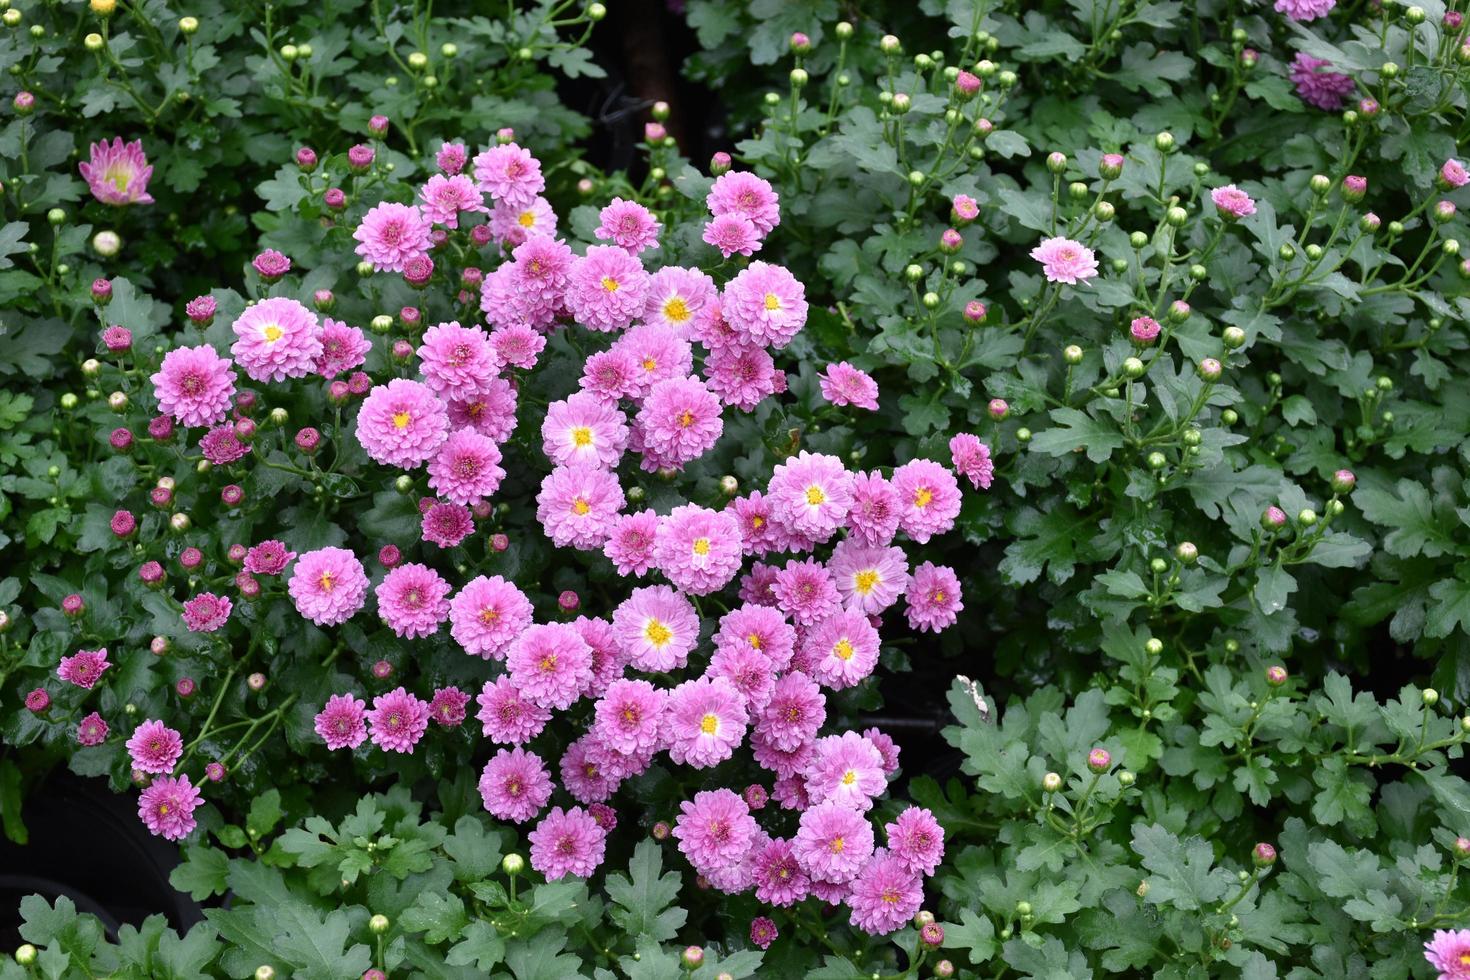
(1051, 782)
(1306, 517)
(1099, 759)
(1414, 15)
(1186, 552)
(692, 957)
(944, 969)
(1430, 696)
(660, 831)
(1056, 162)
(889, 44)
(1133, 368)
(1072, 354)
(1462, 848)
(256, 682)
(1263, 855)
(800, 43)
(106, 243)
(1164, 142)
(121, 439)
(1343, 481)
(1320, 184)
(1176, 217)
(1211, 369)
(998, 409)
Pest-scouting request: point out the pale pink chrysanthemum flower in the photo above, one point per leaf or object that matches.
(491, 413)
(118, 172)
(933, 598)
(466, 468)
(413, 600)
(206, 612)
(679, 421)
(884, 896)
(344, 348)
(678, 296)
(451, 158)
(514, 224)
(749, 671)
(397, 720)
(584, 428)
(446, 525)
(607, 289)
(1066, 261)
(805, 591)
(629, 716)
(873, 518)
(578, 504)
(741, 375)
(550, 663)
(194, 385)
(155, 748)
(567, 843)
(778, 876)
(402, 423)
(797, 709)
(845, 769)
(1449, 953)
(447, 708)
(92, 730)
(745, 194)
(510, 174)
(929, 498)
(506, 716)
(916, 839)
(276, 339)
(659, 353)
(698, 549)
(328, 586)
(843, 384)
(628, 225)
(705, 722)
(1326, 90)
(342, 722)
(1232, 202)
(757, 629)
(887, 748)
(487, 615)
(732, 234)
(715, 830)
(167, 806)
(516, 346)
(630, 542)
(842, 650)
(712, 329)
(971, 459)
(457, 362)
(1454, 174)
(391, 234)
(612, 374)
(787, 765)
(515, 785)
(869, 579)
(1144, 330)
(656, 628)
(833, 842)
(811, 494)
(1305, 10)
(84, 667)
(766, 304)
(505, 303)
(445, 197)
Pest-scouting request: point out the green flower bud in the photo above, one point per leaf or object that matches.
(1138, 239)
(513, 864)
(188, 25)
(1186, 552)
(1176, 217)
(930, 301)
(26, 955)
(1234, 337)
(1430, 696)
(799, 77)
(1306, 517)
(1133, 368)
(596, 12)
(379, 924)
(1077, 190)
(1287, 251)
(1153, 646)
(1051, 782)
(1104, 211)
(1229, 416)
(1023, 435)
(1320, 184)
(1156, 460)
(1389, 70)
(1164, 142)
(1072, 354)
(843, 30)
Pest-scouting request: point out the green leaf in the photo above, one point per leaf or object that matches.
(479, 945)
(202, 873)
(12, 242)
(1181, 870)
(642, 898)
(1078, 431)
(11, 798)
(1416, 529)
(1274, 585)
(438, 916)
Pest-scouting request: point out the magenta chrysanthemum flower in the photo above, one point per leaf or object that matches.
(492, 413)
(972, 459)
(678, 296)
(515, 785)
(929, 498)
(874, 516)
(397, 720)
(607, 289)
(445, 197)
(916, 839)
(550, 664)
(344, 348)
(659, 353)
(510, 174)
(446, 525)
(167, 805)
(756, 629)
(447, 708)
(194, 385)
(933, 598)
(583, 774)
(847, 770)
(732, 234)
(1449, 953)
(698, 549)
(793, 715)
(1326, 90)
(715, 830)
(630, 542)
(805, 591)
(763, 932)
(516, 345)
(1232, 202)
(221, 447)
(206, 612)
(402, 423)
(92, 731)
(842, 649)
(487, 615)
(578, 504)
(391, 234)
(118, 172)
(611, 374)
(413, 600)
(629, 716)
(628, 225)
(656, 628)
(567, 843)
(277, 338)
(1063, 260)
(743, 376)
(155, 748)
(1143, 331)
(328, 586)
(843, 384)
(884, 896)
(811, 494)
(466, 469)
(342, 722)
(584, 428)
(759, 532)
(512, 225)
(1305, 10)
(506, 716)
(868, 579)
(84, 667)
(833, 843)
(704, 722)
(749, 671)
(778, 877)
(269, 557)
(765, 304)
(457, 362)
(749, 196)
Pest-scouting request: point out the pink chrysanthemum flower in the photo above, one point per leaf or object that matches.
(916, 839)
(712, 329)
(1232, 202)
(884, 896)
(608, 661)
(1454, 174)
(1305, 10)
(451, 158)
(1063, 260)
(833, 843)
(167, 805)
(466, 469)
(629, 716)
(630, 543)
(778, 876)
(492, 413)
(516, 346)
(446, 525)
(487, 615)
(84, 667)
(206, 612)
(612, 374)
(1326, 90)
(628, 225)
(787, 765)
(765, 304)
(874, 516)
(344, 348)
(118, 172)
(933, 598)
(515, 785)
(758, 586)
(678, 296)
(972, 459)
(763, 932)
(397, 721)
(868, 579)
(270, 557)
(507, 717)
(413, 600)
(659, 353)
(1144, 330)
(607, 289)
(92, 731)
(704, 722)
(194, 385)
(584, 428)
(447, 708)
(391, 234)
(732, 234)
(886, 747)
(550, 664)
(342, 722)
(1449, 953)
(510, 174)
(759, 532)
(679, 421)
(741, 375)
(277, 338)
(842, 649)
(445, 197)
(811, 494)
(583, 772)
(221, 447)
(750, 672)
(805, 591)
(402, 423)
(698, 549)
(756, 629)
(512, 225)
(578, 504)
(796, 711)
(929, 498)
(715, 830)
(542, 269)
(457, 362)
(745, 194)
(567, 843)
(843, 384)
(155, 748)
(847, 770)
(656, 628)
(328, 586)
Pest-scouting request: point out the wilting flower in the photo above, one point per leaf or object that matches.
(118, 172)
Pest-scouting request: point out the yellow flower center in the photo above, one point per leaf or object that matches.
(676, 310)
(649, 364)
(937, 595)
(836, 846)
(701, 546)
(488, 615)
(924, 497)
(865, 581)
(815, 496)
(709, 724)
(843, 649)
(687, 419)
(891, 897)
(401, 420)
(629, 714)
(754, 640)
(548, 663)
(773, 302)
(610, 284)
(326, 581)
(273, 333)
(581, 506)
(849, 777)
(757, 522)
(527, 219)
(163, 809)
(657, 632)
(513, 787)
(581, 436)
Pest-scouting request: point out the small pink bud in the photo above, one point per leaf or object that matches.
(499, 542)
(654, 132)
(73, 605)
(1276, 674)
(159, 645)
(966, 84)
(24, 103)
(360, 157)
(201, 310)
(975, 312)
(232, 494)
(720, 163)
(1354, 188)
(1211, 369)
(191, 558)
(481, 235)
(410, 317)
(1263, 855)
(389, 556)
(124, 524)
(1099, 759)
(756, 796)
(950, 241)
(418, 270)
(1111, 166)
(236, 553)
(151, 573)
(38, 701)
(120, 439)
(101, 291)
(215, 772)
(998, 408)
(335, 199)
(1274, 518)
(382, 670)
(378, 125)
(359, 383)
(256, 682)
(324, 300)
(1144, 330)
(185, 687)
(306, 158)
(117, 339)
(248, 585)
(932, 935)
(1343, 481)
(568, 601)
(245, 429)
(308, 440)
(800, 43)
(338, 392)
(402, 350)
(660, 831)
